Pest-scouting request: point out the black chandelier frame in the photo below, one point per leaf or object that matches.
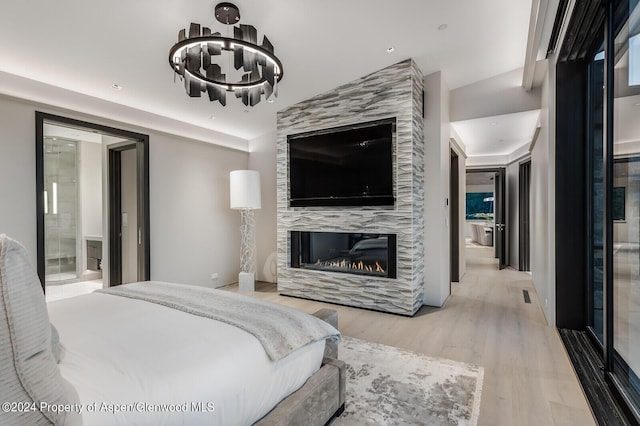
(192, 57)
(228, 44)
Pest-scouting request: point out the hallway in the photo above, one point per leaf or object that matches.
(528, 379)
(480, 258)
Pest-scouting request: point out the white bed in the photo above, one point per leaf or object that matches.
(170, 357)
(128, 358)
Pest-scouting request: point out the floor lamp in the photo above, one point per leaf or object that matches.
(245, 196)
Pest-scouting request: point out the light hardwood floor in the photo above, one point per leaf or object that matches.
(528, 379)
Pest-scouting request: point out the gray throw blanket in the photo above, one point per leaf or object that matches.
(280, 329)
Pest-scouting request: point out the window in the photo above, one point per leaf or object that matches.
(625, 197)
(479, 205)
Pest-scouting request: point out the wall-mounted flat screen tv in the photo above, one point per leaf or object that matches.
(345, 166)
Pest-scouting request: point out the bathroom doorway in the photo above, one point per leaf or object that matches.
(73, 205)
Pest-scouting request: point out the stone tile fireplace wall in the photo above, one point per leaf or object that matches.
(395, 91)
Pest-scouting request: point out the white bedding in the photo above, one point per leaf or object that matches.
(117, 350)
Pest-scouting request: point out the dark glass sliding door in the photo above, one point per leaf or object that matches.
(613, 198)
(626, 264)
(597, 185)
(625, 200)
(595, 190)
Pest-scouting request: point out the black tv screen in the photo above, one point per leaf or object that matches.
(346, 166)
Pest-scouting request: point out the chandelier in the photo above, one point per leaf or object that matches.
(198, 60)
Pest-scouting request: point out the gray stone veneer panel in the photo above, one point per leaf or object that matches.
(395, 91)
(418, 186)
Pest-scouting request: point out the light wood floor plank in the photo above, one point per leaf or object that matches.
(528, 379)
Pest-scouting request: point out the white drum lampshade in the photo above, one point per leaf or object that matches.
(245, 189)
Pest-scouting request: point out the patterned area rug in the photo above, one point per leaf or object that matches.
(391, 386)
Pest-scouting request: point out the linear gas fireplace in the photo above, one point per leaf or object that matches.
(352, 253)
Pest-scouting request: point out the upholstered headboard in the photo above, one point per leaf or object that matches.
(31, 382)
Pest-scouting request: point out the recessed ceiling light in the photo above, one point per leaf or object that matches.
(117, 86)
(442, 27)
(390, 49)
(494, 123)
(638, 104)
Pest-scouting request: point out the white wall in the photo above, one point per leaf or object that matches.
(437, 161)
(90, 194)
(502, 94)
(91, 188)
(483, 161)
(262, 158)
(193, 231)
(37, 93)
(480, 188)
(543, 201)
(18, 173)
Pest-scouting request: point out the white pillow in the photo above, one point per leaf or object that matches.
(28, 369)
(55, 344)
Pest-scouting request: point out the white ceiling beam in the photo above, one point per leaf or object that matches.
(543, 14)
(531, 51)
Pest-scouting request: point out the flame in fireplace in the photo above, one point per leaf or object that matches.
(346, 264)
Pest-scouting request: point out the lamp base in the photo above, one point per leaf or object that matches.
(246, 281)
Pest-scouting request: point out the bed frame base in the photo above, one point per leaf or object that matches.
(322, 397)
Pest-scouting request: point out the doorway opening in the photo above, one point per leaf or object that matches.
(74, 214)
(485, 227)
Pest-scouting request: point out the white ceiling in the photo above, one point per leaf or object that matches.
(499, 135)
(87, 46)
(479, 178)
